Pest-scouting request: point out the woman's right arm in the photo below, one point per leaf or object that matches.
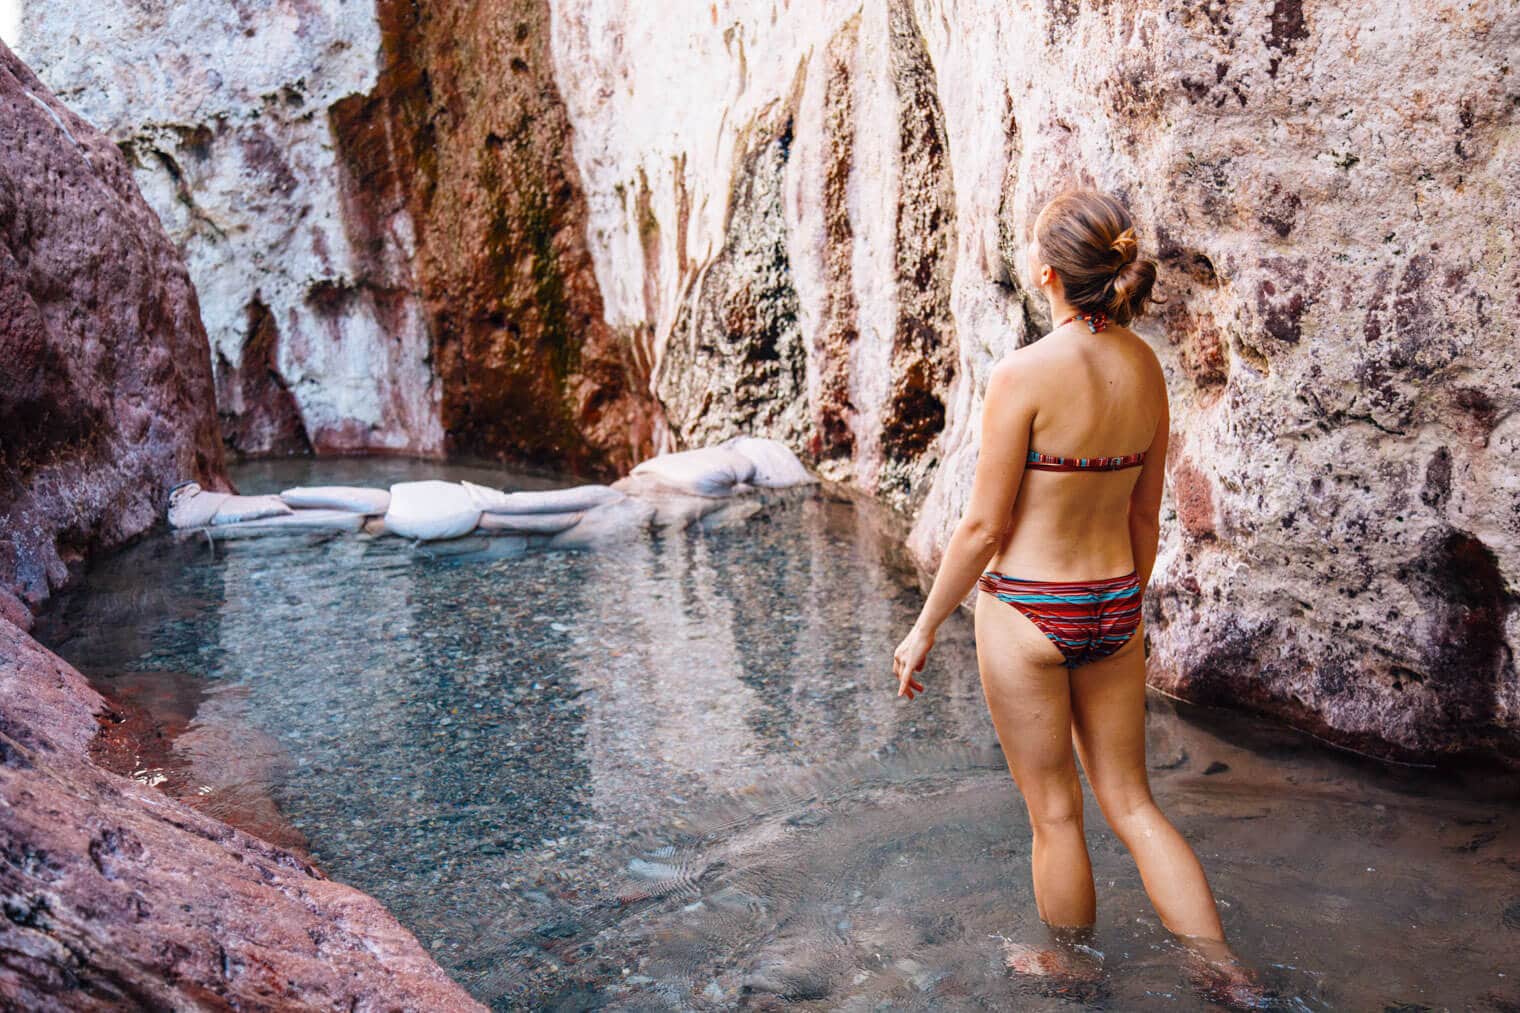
(1145, 501)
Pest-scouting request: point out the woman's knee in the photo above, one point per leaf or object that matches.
(1057, 809)
(1130, 812)
(1056, 823)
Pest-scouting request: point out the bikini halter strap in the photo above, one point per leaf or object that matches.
(1096, 320)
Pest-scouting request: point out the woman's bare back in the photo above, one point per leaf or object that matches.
(1094, 395)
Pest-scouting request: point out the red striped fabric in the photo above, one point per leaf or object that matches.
(1085, 619)
(1055, 462)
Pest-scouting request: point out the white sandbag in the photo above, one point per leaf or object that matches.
(297, 522)
(544, 501)
(190, 506)
(353, 498)
(775, 464)
(619, 521)
(528, 523)
(236, 509)
(707, 471)
(486, 499)
(431, 510)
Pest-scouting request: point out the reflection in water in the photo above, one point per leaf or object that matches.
(675, 774)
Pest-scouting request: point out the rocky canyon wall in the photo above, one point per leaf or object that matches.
(380, 215)
(105, 379)
(613, 227)
(316, 331)
(810, 208)
(114, 895)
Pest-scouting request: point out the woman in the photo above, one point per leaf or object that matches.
(1063, 516)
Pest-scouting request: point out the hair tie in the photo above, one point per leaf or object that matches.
(1125, 245)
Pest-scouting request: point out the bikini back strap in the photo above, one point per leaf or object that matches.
(1055, 462)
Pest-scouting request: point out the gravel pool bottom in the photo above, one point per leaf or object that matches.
(675, 774)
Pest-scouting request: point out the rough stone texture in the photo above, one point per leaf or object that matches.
(105, 391)
(734, 365)
(1329, 191)
(780, 230)
(465, 133)
(116, 896)
(1330, 194)
(317, 335)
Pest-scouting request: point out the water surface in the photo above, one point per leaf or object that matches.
(675, 775)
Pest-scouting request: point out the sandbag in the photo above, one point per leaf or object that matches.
(236, 509)
(619, 521)
(297, 522)
(431, 510)
(775, 464)
(528, 523)
(486, 499)
(190, 506)
(353, 498)
(543, 501)
(707, 471)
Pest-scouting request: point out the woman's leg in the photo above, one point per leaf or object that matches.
(1108, 721)
(1029, 698)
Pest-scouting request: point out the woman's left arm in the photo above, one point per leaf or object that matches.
(1006, 416)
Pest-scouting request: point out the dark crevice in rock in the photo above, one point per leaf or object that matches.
(258, 414)
(924, 351)
(529, 370)
(838, 327)
(735, 363)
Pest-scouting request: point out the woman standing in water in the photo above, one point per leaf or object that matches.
(1061, 535)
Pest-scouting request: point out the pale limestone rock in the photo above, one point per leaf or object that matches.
(1330, 194)
(223, 109)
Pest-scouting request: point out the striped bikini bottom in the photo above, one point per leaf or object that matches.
(1085, 619)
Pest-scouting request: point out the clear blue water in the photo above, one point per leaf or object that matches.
(675, 775)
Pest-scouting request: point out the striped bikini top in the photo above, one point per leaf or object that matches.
(1053, 462)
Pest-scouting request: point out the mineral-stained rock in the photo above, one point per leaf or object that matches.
(117, 896)
(848, 186)
(465, 134)
(105, 376)
(735, 362)
(317, 332)
(1328, 193)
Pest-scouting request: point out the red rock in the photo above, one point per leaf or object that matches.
(465, 131)
(106, 397)
(115, 895)
(118, 896)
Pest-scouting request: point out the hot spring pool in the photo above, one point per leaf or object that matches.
(675, 775)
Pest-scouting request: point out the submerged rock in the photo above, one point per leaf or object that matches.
(119, 896)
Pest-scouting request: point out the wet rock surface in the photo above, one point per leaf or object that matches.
(465, 138)
(117, 896)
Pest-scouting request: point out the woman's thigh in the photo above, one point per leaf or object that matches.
(1028, 694)
(1108, 716)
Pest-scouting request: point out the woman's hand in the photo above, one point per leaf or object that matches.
(909, 658)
